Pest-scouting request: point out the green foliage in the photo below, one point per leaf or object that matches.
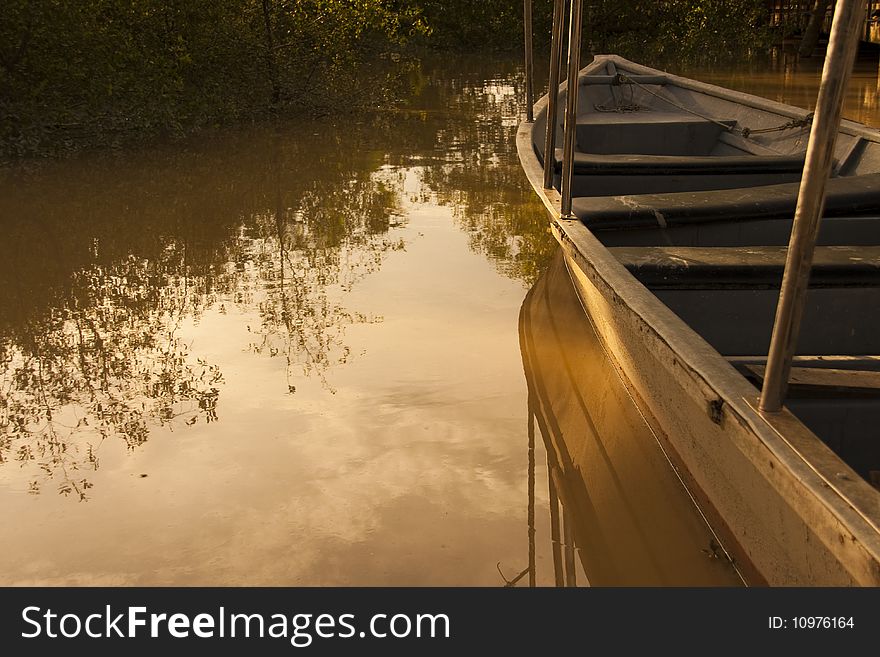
(485, 25)
(675, 28)
(679, 30)
(101, 71)
(79, 73)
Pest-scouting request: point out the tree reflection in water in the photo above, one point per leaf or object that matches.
(105, 364)
(104, 264)
(331, 239)
(479, 175)
(105, 259)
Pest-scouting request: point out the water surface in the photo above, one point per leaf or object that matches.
(283, 356)
(289, 355)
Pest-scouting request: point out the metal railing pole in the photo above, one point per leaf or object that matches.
(530, 88)
(574, 56)
(811, 200)
(553, 92)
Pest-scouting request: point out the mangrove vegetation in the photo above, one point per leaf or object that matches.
(99, 73)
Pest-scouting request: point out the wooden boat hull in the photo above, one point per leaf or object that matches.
(788, 511)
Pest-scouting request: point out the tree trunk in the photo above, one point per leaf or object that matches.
(814, 28)
(270, 53)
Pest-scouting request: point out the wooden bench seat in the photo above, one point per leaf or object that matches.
(749, 267)
(648, 133)
(668, 165)
(849, 195)
(823, 381)
(867, 362)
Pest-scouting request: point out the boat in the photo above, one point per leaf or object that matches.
(673, 202)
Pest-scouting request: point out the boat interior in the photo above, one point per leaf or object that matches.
(693, 188)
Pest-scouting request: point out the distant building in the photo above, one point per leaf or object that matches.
(793, 16)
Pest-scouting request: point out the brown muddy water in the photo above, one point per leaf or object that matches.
(291, 355)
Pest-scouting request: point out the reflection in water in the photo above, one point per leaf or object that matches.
(282, 356)
(624, 513)
(107, 362)
(91, 331)
(469, 162)
(286, 356)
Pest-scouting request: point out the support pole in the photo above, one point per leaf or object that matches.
(574, 56)
(530, 88)
(553, 92)
(845, 30)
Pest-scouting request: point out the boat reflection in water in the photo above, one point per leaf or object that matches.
(624, 512)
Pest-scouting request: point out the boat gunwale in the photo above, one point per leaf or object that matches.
(848, 498)
(847, 126)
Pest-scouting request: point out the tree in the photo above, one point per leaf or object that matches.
(814, 28)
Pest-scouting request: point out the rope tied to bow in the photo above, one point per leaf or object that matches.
(794, 123)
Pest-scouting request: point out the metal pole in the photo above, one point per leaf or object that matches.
(574, 56)
(553, 92)
(811, 200)
(530, 89)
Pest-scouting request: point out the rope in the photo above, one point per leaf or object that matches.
(625, 79)
(621, 79)
(621, 109)
(795, 123)
(630, 106)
